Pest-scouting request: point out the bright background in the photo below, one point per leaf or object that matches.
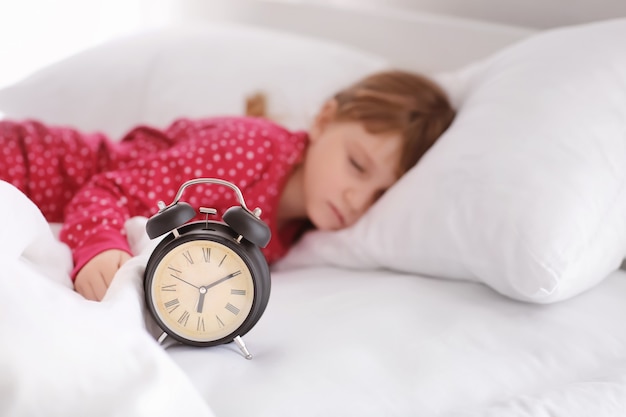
(34, 33)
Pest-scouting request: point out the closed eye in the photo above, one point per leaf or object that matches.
(356, 165)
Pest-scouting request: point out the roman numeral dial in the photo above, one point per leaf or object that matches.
(202, 290)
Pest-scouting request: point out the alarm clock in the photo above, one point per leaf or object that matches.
(207, 282)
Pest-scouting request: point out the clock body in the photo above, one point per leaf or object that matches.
(205, 285)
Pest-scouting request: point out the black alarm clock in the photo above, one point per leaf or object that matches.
(207, 282)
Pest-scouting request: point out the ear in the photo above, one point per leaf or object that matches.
(323, 119)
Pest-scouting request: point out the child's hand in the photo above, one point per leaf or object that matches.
(94, 278)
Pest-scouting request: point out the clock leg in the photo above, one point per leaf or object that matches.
(162, 338)
(242, 346)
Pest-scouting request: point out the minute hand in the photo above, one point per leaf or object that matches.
(226, 278)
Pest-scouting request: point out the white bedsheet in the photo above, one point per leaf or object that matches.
(331, 343)
(351, 343)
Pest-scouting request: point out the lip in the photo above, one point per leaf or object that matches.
(342, 220)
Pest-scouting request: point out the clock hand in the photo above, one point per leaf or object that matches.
(204, 289)
(201, 299)
(188, 283)
(226, 278)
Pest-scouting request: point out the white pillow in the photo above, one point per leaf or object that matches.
(193, 72)
(526, 191)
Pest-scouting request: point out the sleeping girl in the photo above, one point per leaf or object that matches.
(361, 141)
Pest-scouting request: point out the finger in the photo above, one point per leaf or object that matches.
(85, 290)
(107, 275)
(125, 258)
(109, 268)
(99, 286)
(112, 268)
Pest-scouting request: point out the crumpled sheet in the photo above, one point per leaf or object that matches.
(62, 355)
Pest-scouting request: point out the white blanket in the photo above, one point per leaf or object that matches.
(62, 355)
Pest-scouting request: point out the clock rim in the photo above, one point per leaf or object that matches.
(220, 233)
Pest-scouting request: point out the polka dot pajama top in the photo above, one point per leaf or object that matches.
(93, 185)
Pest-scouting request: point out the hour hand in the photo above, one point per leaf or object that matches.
(201, 299)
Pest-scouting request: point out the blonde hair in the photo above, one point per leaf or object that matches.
(398, 101)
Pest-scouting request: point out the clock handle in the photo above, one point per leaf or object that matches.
(186, 184)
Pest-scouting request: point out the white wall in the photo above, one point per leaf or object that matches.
(531, 13)
(34, 33)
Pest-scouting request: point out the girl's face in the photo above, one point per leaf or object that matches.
(346, 169)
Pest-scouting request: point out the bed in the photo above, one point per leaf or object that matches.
(487, 282)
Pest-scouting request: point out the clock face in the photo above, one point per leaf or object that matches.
(202, 291)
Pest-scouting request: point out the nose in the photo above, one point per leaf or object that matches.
(357, 200)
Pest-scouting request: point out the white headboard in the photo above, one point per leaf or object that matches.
(410, 40)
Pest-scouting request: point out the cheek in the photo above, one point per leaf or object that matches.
(317, 188)
(322, 169)
(312, 181)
